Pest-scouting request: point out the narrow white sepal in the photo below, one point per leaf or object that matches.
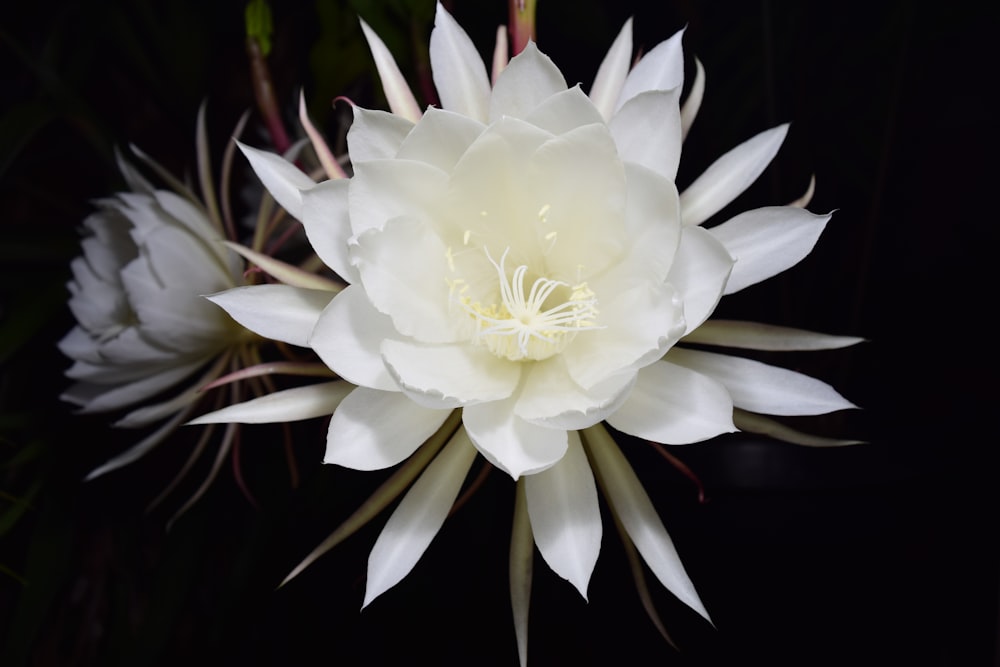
(459, 73)
(397, 92)
(612, 72)
(295, 404)
(522, 556)
(757, 336)
(281, 178)
(419, 517)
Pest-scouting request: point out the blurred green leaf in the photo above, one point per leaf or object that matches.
(260, 24)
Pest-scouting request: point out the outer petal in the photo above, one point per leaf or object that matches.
(376, 135)
(551, 398)
(564, 111)
(612, 72)
(647, 130)
(288, 405)
(529, 79)
(281, 178)
(762, 388)
(459, 73)
(673, 405)
(449, 376)
(328, 225)
(374, 429)
(565, 517)
(756, 336)
(385, 189)
(700, 270)
(278, 312)
(348, 336)
(440, 139)
(639, 518)
(515, 446)
(730, 175)
(660, 69)
(397, 93)
(766, 241)
(418, 517)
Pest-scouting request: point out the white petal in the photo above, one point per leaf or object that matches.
(565, 517)
(376, 134)
(397, 93)
(418, 517)
(281, 178)
(758, 387)
(673, 405)
(512, 444)
(459, 73)
(756, 336)
(278, 312)
(647, 130)
(406, 276)
(328, 226)
(564, 111)
(612, 72)
(551, 398)
(639, 518)
(528, 80)
(700, 270)
(440, 138)
(449, 376)
(374, 429)
(385, 189)
(660, 69)
(766, 241)
(348, 338)
(730, 175)
(288, 405)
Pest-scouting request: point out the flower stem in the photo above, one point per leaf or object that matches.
(263, 90)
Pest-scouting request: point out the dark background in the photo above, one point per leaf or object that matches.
(881, 554)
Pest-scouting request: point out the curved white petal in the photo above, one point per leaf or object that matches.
(660, 69)
(550, 397)
(674, 405)
(328, 226)
(730, 175)
(279, 312)
(281, 178)
(528, 80)
(459, 73)
(449, 376)
(397, 92)
(348, 336)
(440, 138)
(766, 241)
(564, 111)
(639, 518)
(376, 134)
(419, 517)
(510, 443)
(700, 270)
(757, 336)
(385, 189)
(287, 405)
(612, 73)
(647, 130)
(374, 429)
(565, 517)
(758, 387)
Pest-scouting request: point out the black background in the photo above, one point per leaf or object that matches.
(872, 555)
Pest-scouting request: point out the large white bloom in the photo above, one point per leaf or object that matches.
(143, 326)
(521, 258)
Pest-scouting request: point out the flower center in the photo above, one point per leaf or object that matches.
(532, 326)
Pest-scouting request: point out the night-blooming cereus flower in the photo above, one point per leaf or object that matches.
(520, 267)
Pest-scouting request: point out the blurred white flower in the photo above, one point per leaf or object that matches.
(520, 267)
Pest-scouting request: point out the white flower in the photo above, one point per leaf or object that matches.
(143, 326)
(521, 258)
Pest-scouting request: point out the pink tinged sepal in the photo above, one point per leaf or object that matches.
(418, 517)
(459, 73)
(397, 92)
(295, 404)
(288, 274)
(565, 517)
(278, 312)
(372, 429)
(730, 175)
(693, 102)
(766, 241)
(758, 387)
(674, 405)
(634, 509)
